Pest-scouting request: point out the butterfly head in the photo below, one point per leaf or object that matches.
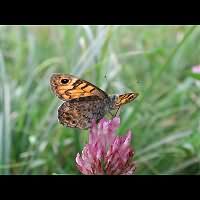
(119, 100)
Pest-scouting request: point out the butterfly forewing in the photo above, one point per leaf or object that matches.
(70, 87)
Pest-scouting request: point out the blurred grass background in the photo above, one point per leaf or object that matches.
(152, 60)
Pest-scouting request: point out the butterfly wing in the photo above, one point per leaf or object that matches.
(79, 113)
(125, 98)
(70, 87)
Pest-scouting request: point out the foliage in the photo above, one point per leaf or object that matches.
(152, 60)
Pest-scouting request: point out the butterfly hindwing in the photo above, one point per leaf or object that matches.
(79, 113)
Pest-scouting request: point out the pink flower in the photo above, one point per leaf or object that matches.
(196, 69)
(106, 153)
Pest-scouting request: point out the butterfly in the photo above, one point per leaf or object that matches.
(83, 101)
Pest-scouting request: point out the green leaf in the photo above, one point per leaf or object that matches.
(195, 75)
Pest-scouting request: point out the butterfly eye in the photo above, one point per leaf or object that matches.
(64, 81)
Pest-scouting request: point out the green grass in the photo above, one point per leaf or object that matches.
(152, 60)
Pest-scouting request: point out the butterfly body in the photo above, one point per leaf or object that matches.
(83, 101)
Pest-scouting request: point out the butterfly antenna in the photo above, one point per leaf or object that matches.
(105, 76)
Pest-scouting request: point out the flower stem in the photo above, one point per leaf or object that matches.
(77, 140)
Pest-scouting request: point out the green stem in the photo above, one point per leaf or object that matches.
(77, 140)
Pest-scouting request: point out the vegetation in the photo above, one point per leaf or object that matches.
(151, 60)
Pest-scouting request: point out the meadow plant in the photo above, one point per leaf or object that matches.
(106, 153)
(196, 69)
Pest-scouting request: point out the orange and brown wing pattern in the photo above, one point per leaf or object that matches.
(125, 98)
(67, 87)
(79, 113)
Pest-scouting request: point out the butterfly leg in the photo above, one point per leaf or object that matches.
(117, 112)
(111, 114)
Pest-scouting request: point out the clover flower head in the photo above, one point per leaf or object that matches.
(106, 153)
